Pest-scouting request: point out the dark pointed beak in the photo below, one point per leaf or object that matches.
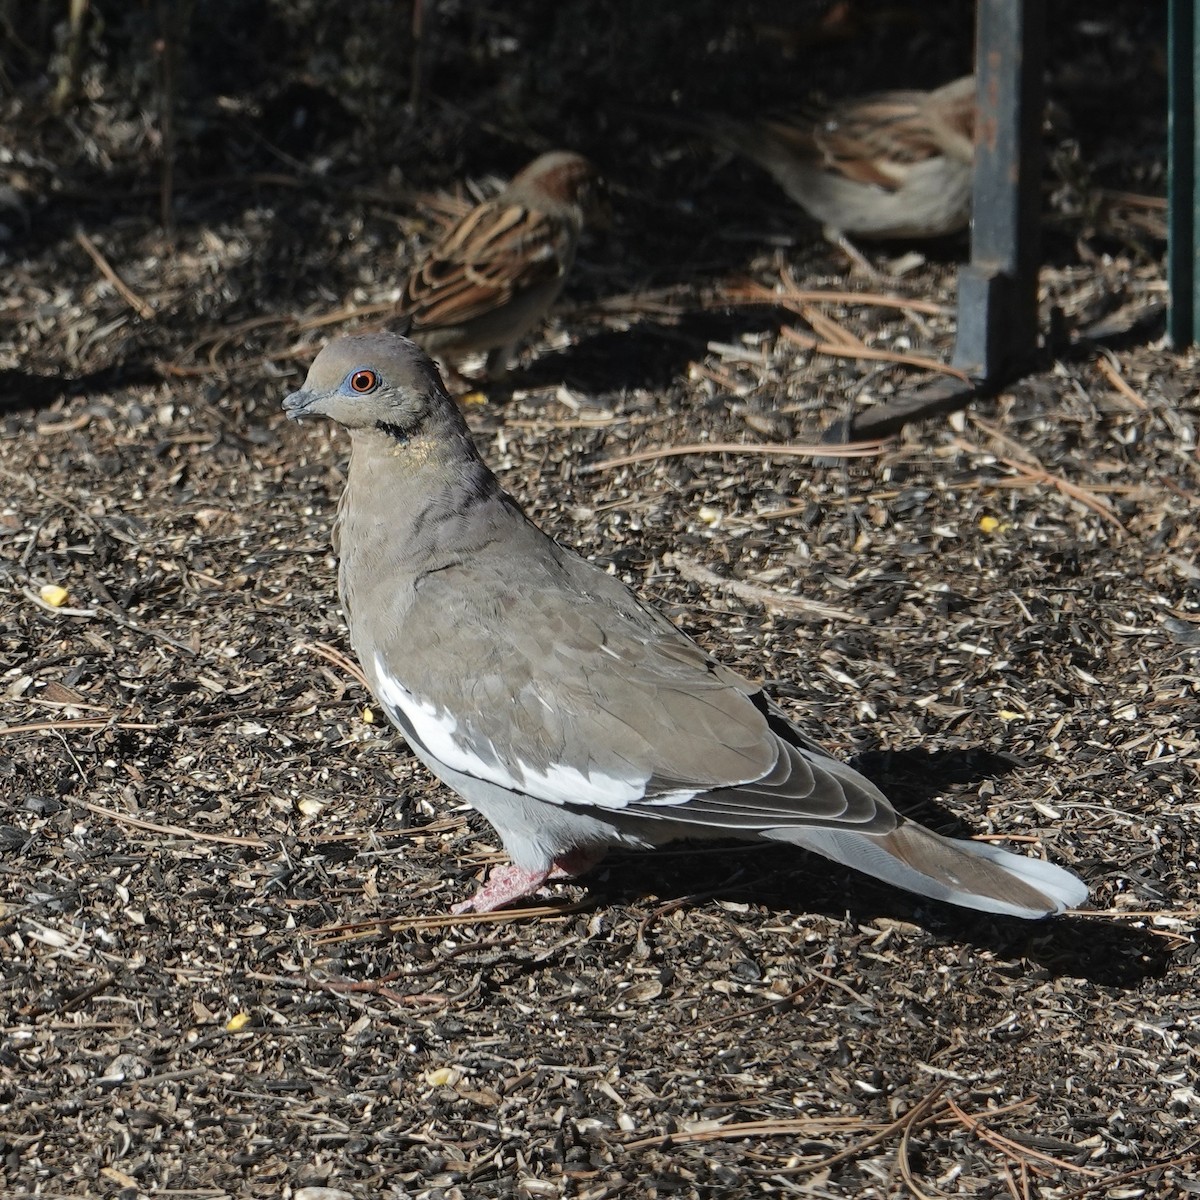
(297, 404)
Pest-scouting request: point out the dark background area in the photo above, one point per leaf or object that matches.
(191, 112)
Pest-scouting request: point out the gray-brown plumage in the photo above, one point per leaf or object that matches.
(496, 273)
(888, 165)
(573, 716)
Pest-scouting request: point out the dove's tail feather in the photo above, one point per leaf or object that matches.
(969, 874)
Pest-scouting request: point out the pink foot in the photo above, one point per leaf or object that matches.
(509, 883)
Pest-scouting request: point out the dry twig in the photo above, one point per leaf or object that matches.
(1038, 474)
(1108, 369)
(780, 602)
(77, 723)
(139, 306)
(1110, 1181)
(354, 930)
(793, 296)
(333, 655)
(873, 354)
(849, 450)
(1015, 1150)
(920, 1112)
(225, 839)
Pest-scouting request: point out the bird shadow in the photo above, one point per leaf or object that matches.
(26, 391)
(651, 355)
(786, 879)
(912, 779)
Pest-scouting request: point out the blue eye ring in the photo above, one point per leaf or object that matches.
(362, 381)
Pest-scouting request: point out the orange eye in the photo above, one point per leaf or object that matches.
(364, 381)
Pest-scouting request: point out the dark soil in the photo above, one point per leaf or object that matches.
(227, 968)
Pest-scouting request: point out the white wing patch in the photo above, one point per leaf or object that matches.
(556, 783)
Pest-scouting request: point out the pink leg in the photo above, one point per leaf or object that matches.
(509, 883)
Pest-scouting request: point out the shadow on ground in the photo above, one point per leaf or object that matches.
(787, 879)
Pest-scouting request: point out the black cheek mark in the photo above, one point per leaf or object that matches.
(393, 431)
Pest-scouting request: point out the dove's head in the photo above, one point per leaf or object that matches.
(373, 381)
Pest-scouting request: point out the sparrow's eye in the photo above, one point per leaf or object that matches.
(364, 381)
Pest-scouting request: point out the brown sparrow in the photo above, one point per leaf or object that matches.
(890, 165)
(496, 273)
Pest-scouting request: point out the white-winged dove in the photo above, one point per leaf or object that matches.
(571, 715)
(496, 273)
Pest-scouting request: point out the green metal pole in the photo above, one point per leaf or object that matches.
(997, 290)
(1183, 173)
